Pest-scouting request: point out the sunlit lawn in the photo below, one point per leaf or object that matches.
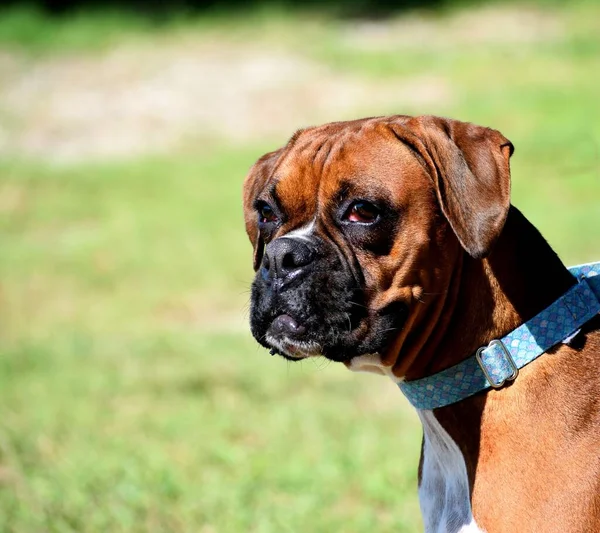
(132, 398)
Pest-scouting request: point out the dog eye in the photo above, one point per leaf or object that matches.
(362, 211)
(266, 213)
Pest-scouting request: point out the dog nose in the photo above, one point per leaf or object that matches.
(285, 257)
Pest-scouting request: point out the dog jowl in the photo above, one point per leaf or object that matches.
(308, 299)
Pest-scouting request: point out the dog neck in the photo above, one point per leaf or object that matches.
(486, 299)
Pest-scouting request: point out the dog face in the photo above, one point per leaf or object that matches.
(355, 224)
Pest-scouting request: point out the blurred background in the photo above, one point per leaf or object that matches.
(132, 397)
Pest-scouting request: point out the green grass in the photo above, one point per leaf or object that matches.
(179, 432)
(132, 397)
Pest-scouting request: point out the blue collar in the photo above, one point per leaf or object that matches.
(499, 362)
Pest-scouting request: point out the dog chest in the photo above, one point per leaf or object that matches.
(444, 485)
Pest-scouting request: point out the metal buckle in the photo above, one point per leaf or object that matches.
(511, 362)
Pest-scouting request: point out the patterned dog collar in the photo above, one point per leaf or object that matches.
(498, 362)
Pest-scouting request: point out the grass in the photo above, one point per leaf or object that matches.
(132, 397)
(164, 433)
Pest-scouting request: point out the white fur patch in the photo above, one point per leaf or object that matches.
(371, 362)
(303, 233)
(444, 489)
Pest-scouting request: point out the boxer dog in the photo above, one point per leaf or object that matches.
(390, 245)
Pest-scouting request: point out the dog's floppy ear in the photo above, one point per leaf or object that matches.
(253, 184)
(472, 177)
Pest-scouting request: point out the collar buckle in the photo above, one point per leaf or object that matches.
(496, 364)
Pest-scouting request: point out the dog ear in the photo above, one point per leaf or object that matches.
(253, 184)
(470, 167)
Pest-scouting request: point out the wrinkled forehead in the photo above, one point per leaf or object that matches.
(361, 159)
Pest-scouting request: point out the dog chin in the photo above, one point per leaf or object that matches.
(292, 349)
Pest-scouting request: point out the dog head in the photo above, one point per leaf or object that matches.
(354, 224)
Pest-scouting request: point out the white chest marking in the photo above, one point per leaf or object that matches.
(444, 488)
(372, 363)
